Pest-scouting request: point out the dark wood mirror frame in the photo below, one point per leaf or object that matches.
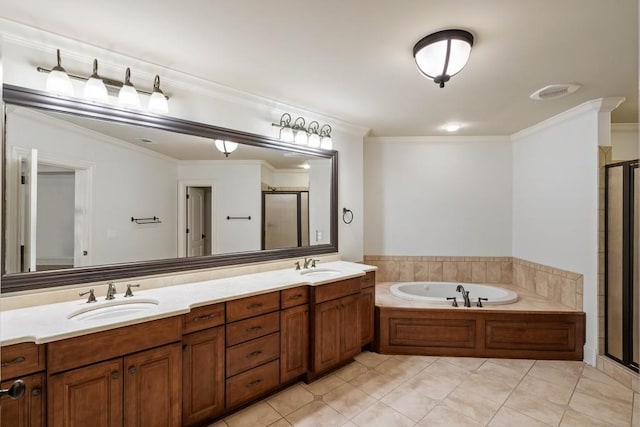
(41, 100)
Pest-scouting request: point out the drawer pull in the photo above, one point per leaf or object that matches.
(16, 391)
(295, 297)
(205, 317)
(254, 354)
(115, 375)
(254, 328)
(254, 306)
(13, 362)
(253, 383)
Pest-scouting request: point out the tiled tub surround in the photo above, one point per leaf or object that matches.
(552, 284)
(49, 322)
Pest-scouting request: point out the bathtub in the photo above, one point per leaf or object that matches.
(438, 292)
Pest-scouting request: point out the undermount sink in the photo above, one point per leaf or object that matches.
(112, 309)
(320, 272)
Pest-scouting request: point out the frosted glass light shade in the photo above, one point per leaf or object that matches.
(95, 90)
(226, 147)
(443, 54)
(286, 134)
(158, 103)
(59, 83)
(301, 138)
(128, 97)
(314, 140)
(326, 143)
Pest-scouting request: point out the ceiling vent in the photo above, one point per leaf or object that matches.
(554, 91)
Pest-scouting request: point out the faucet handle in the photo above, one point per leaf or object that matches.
(92, 297)
(129, 293)
(111, 291)
(313, 262)
(479, 304)
(454, 303)
(297, 264)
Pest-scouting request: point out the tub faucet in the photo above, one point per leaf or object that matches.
(465, 295)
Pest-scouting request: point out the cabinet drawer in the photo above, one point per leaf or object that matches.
(252, 306)
(253, 353)
(22, 359)
(253, 383)
(294, 296)
(255, 327)
(337, 289)
(203, 318)
(83, 350)
(369, 280)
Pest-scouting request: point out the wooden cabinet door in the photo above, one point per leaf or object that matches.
(367, 305)
(29, 410)
(153, 387)
(349, 327)
(294, 342)
(89, 396)
(326, 335)
(202, 375)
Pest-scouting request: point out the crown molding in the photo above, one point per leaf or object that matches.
(446, 139)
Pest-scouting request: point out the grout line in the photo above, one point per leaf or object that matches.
(512, 390)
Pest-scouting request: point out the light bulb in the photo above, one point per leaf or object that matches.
(158, 102)
(128, 96)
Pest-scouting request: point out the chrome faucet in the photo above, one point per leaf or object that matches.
(111, 291)
(465, 295)
(307, 262)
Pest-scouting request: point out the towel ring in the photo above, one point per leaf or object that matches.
(347, 216)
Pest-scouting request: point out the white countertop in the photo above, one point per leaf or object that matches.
(46, 323)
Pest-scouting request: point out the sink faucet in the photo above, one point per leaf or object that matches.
(307, 262)
(111, 291)
(465, 295)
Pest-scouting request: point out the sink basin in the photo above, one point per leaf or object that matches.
(320, 272)
(112, 309)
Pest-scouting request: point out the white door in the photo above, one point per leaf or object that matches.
(195, 221)
(29, 213)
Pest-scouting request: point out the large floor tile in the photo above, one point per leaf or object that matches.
(348, 400)
(350, 371)
(370, 359)
(536, 407)
(507, 417)
(474, 406)
(218, 424)
(616, 393)
(324, 385)
(316, 414)
(521, 366)
(381, 415)
(573, 418)
(408, 402)
(280, 423)
(443, 416)
(291, 399)
(636, 410)
(403, 369)
(502, 373)
(465, 363)
(553, 392)
(490, 388)
(554, 374)
(599, 376)
(442, 369)
(375, 384)
(431, 387)
(615, 413)
(257, 415)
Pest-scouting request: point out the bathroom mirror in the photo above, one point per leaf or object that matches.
(97, 193)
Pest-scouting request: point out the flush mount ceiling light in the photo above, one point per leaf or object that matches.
(554, 91)
(226, 147)
(443, 54)
(313, 136)
(58, 81)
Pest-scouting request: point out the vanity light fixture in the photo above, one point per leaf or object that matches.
(58, 81)
(158, 102)
(226, 147)
(128, 96)
(313, 136)
(443, 54)
(94, 89)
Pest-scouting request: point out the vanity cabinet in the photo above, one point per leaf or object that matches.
(336, 324)
(25, 362)
(367, 308)
(203, 361)
(141, 385)
(294, 342)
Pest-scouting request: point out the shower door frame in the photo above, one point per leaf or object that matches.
(628, 213)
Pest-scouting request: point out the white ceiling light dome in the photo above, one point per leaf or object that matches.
(443, 54)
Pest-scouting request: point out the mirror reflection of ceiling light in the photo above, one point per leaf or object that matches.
(305, 165)
(452, 127)
(226, 147)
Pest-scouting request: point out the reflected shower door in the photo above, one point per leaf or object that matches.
(285, 219)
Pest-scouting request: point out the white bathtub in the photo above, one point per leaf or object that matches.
(437, 293)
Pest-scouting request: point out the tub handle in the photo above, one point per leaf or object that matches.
(479, 304)
(454, 303)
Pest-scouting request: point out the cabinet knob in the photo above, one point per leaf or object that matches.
(132, 369)
(115, 375)
(35, 392)
(185, 347)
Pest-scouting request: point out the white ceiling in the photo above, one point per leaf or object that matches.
(352, 59)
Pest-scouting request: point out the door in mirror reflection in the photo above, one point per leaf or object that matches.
(286, 219)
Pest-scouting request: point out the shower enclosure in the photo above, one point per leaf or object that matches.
(622, 289)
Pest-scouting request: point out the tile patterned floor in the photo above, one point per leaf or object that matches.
(389, 391)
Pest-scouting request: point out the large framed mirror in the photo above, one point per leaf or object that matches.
(95, 193)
